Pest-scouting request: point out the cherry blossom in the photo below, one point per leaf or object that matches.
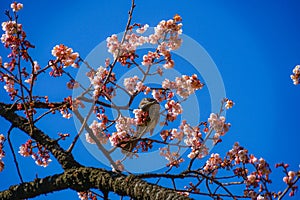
(184, 86)
(212, 164)
(9, 85)
(142, 29)
(229, 104)
(98, 80)
(218, 124)
(133, 86)
(42, 157)
(36, 66)
(193, 139)
(10, 37)
(65, 113)
(65, 55)
(259, 197)
(289, 178)
(296, 75)
(140, 116)
(16, 6)
(124, 130)
(158, 95)
(251, 180)
(175, 134)
(149, 58)
(98, 132)
(86, 195)
(173, 110)
(168, 30)
(129, 45)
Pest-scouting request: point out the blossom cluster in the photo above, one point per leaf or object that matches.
(291, 175)
(239, 154)
(173, 110)
(10, 86)
(124, 130)
(64, 110)
(184, 85)
(65, 55)
(166, 36)
(98, 131)
(2, 153)
(16, 6)
(296, 75)
(162, 94)
(217, 123)
(260, 175)
(171, 28)
(14, 37)
(194, 139)
(86, 195)
(99, 82)
(173, 134)
(212, 164)
(133, 85)
(42, 157)
(149, 58)
(140, 116)
(125, 48)
(10, 38)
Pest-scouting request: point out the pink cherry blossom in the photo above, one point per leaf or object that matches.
(142, 29)
(98, 79)
(173, 110)
(65, 55)
(184, 86)
(16, 6)
(212, 164)
(124, 130)
(229, 104)
(98, 132)
(132, 85)
(296, 75)
(149, 58)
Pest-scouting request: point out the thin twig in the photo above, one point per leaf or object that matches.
(13, 153)
(81, 129)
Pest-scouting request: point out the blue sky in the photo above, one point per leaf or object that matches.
(255, 45)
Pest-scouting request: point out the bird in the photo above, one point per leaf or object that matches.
(152, 108)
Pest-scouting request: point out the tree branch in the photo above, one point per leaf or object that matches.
(84, 178)
(64, 158)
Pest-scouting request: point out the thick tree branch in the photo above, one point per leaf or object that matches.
(83, 178)
(64, 158)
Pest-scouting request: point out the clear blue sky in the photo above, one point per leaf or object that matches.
(255, 45)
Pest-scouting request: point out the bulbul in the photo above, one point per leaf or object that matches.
(152, 107)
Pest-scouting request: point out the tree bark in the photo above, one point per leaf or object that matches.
(76, 176)
(85, 178)
(64, 158)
